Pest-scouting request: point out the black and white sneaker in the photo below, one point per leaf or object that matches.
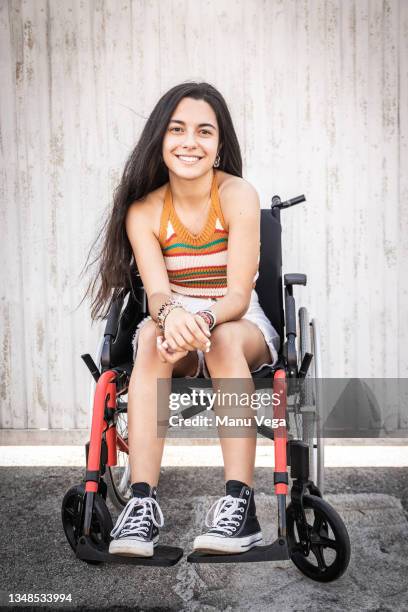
(234, 527)
(136, 532)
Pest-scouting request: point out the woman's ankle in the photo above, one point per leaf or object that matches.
(143, 489)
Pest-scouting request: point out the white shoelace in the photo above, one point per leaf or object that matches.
(138, 524)
(225, 511)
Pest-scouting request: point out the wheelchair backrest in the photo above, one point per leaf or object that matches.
(269, 283)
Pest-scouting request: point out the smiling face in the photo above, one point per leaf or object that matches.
(190, 144)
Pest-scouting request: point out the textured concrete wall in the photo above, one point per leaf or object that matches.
(318, 91)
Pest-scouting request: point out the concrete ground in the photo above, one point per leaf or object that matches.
(340, 453)
(373, 502)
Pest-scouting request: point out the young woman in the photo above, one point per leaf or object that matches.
(192, 223)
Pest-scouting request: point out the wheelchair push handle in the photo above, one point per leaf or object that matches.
(277, 203)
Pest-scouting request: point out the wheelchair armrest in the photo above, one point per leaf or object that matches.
(294, 279)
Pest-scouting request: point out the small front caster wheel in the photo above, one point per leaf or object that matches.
(72, 518)
(320, 549)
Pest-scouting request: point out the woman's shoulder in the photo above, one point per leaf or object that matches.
(149, 208)
(230, 184)
(232, 189)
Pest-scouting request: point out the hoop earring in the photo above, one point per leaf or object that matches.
(217, 161)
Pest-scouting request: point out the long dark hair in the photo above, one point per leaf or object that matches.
(145, 171)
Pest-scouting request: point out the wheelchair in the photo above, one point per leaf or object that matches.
(310, 532)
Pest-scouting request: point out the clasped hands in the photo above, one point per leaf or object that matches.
(184, 332)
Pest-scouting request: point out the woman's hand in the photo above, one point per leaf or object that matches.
(167, 355)
(186, 331)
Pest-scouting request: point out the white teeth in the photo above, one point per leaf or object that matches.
(188, 158)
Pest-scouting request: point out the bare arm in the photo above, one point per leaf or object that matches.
(243, 206)
(149, 258)
(153, 272)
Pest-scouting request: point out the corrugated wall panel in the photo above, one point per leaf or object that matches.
(318, 93)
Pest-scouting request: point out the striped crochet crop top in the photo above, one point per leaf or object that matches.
(196, 264)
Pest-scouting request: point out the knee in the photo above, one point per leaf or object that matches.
(147, 338)
(224, 341)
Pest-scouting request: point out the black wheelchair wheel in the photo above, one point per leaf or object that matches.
(328, 543)
(118, 486)
(117, 477)
(71, 514)
(310, 414)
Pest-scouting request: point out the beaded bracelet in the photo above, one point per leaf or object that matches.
(163, 316)
(164, 311)
(209, 317)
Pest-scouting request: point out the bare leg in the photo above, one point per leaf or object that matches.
(236, 346)
(145, 447)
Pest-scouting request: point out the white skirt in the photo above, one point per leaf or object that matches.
(254, 313)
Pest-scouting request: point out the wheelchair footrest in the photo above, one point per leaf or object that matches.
(276, 551)
(164, 556)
